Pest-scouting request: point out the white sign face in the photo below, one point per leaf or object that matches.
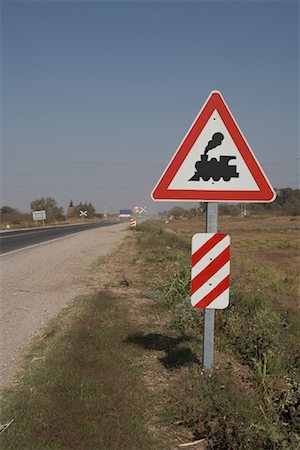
(83, 213)
(243, 181)
(214, 162)
(144, 210)
(136, 209)
(210, 270)
(39, 215)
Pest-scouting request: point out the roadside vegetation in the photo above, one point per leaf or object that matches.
(80, 387)
(287, 202)
(122, 367)
(252, 401)
(11, 218)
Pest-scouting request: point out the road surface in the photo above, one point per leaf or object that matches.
(38, 282)
(17, 239)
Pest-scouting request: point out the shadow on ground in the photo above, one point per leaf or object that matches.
(177, 355)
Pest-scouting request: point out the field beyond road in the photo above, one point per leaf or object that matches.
(120, 368)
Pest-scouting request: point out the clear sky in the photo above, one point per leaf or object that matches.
(97, 96)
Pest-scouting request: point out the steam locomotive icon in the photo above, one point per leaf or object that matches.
(212, 168)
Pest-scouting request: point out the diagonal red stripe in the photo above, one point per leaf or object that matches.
(212, 295)
(210, 270)
(214, 240)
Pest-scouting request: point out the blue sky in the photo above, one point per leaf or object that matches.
(97, 96)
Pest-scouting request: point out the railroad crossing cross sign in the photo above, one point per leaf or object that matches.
(210, 270)
(144, 210)
(83, 213)
(214, 162)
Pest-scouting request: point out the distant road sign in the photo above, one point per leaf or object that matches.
(210, 270)
(139, 210)
(143, 210)
(132, 222)
(83, 213)
(214, 162)
(136, 209)
(125, 213)
(39, 215)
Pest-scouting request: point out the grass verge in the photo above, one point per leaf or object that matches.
(122, 369)
(253, 399)
(81, 386)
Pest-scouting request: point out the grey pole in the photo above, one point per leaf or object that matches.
(209, 314)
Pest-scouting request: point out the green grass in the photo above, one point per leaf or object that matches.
(81, 386)
(260, 329)
(104, 378)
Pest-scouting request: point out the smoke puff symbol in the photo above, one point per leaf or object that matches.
(216, 140)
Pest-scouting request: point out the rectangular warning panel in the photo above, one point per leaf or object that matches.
(210, 270)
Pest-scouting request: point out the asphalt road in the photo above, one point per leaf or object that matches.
(15, 240)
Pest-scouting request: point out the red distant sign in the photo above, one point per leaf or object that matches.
(214, 162)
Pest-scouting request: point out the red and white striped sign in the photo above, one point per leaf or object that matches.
(210, 270)
(132, 222)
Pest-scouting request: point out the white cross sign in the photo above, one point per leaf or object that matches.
(144, 210)
(83, 213)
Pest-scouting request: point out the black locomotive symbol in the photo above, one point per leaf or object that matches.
(213, 168)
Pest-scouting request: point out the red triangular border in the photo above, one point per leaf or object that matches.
(214, 102)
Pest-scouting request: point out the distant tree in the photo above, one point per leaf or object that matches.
(70, 211)
(53, 211)
(7, 210)
(91, 211)
(287, 202)
(178, 212)
(12, 216)
(229, 210)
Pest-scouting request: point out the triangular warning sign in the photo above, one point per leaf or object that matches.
(214, 162)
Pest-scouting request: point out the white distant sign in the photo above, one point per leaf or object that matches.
(136, 209)
(83, 213)
(39, 215)
(143, 210)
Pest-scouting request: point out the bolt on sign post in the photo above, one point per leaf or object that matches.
(214, 163)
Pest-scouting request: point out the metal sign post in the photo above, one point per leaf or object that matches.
(213, 163)
(209, 314)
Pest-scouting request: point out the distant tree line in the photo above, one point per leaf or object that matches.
(9, 215)
(54, 212)
(287, 202)
(74, 210)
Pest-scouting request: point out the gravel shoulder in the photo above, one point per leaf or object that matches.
(37, 283)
